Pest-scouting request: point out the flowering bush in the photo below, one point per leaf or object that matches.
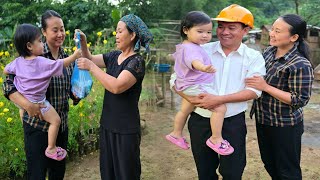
(83, 120)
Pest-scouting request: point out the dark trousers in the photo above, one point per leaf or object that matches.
(36, 142)
(207, 161)
(119, 156)
(280, 149)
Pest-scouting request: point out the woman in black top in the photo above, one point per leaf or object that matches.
(120, 119)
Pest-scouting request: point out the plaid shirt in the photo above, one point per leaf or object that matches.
(291, 73)
(58, 93)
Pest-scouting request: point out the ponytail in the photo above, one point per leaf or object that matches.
(303, 48)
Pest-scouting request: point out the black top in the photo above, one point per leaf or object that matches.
(120, 112)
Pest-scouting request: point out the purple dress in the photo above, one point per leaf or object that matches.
(186, 75)
(33, 76)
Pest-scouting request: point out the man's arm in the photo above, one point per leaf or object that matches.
(210, 101)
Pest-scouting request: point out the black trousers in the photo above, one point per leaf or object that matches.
(36, 142)
(207, 161)
(280, 150)
(119, 155)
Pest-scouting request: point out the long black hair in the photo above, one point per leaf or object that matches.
(25, 33)
(298, 26)
(193, 18)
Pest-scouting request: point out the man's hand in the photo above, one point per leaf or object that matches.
(207, 101)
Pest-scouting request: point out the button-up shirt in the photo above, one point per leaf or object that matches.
(290, 73)
(58, 93)
(231, 73)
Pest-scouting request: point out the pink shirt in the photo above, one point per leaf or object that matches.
(186, 74)
(33, 76)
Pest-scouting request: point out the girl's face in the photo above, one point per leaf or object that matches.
(280, 34)
(36, 47)
(55, 32)
(199, 34)
(124, 39)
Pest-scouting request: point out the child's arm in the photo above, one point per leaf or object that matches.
(198, 65)
(67, 61)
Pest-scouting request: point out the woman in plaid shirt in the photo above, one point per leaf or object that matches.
(58, 94)
(286, 89)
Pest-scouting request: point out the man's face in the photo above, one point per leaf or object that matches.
(230, 34)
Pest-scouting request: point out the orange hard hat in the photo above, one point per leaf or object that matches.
(236, 13)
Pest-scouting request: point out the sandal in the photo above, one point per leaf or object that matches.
(180, 142)
(224, 148)
(59, 155)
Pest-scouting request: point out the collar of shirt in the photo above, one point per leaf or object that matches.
(47, 53)
(289, 55)
(218, 48)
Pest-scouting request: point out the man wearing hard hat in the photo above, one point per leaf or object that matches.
(234, 62)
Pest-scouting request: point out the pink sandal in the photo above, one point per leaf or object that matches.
(223, 149)
(180, 142)
(59, 155)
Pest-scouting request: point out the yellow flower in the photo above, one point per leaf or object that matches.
(99, 33)
(16, 149)
(2, 67)
(5, 110)
(67, 32)
(105, 41)
(65, 50)
(80, 104)
(11, 45)
(1, 114)
(9, 120)
(6, 53)
(81, 114)
(69, 50)
(114, 33)
(1, 104)
(74, 48)
(1, 80)
(88, 45)
(1, 53)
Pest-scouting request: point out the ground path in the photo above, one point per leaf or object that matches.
(162, 161)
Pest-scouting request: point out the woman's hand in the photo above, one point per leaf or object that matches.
(84, 63)
(33, 110)
(256, 82)
(83, 37)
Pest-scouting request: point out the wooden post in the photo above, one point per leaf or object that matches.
(163, 87)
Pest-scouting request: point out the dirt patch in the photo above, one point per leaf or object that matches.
(161, 160)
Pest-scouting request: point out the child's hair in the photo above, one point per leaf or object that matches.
(24, 34)
(46, 15)
(193, 18)
(298, 26)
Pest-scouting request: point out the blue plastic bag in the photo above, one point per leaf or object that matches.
(81, 81)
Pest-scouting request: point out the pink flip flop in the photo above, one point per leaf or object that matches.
(223, 149)
(180, 142)
(59, 155)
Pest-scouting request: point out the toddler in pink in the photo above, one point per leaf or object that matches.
(32, 77)
(194, 75)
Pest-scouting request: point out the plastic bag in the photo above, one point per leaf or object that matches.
(81, 81)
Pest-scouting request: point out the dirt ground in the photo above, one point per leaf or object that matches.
(163, 161)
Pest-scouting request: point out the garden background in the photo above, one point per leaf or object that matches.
(98, 18)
